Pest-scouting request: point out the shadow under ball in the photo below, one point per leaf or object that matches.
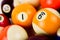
(7, 7)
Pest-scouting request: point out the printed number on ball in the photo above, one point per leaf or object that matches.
(22, 16)
(41, 16)
(6, 8)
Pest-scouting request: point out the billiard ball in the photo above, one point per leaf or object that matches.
(3, 34)
(7, 7)
(13, 32)
(35, 3)
(50, 4)
(4, 20)
(22, 15)
(46, 21)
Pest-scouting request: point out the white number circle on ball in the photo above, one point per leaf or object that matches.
(22, 16)
(6, 8)
(41, 16)
(1, 18)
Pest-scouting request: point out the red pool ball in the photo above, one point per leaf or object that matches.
(4, 20)
(50, 4)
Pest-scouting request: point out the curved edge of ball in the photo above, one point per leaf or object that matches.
(16, 32)
(55, 12)
(38, 30)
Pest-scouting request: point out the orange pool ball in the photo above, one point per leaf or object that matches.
(23, 15)
(46, 21)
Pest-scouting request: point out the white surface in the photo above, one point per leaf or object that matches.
(0, 6)
(25, 16)
(16, 32)
(38, 30)
(33, 2)
(6, 8)
(58, 32)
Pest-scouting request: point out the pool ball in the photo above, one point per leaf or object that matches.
(4, 20)
(7, 7)
(13, 32)
(35, 3)
(3, 34)
(46, 21)
(50, 4)
(22, 15)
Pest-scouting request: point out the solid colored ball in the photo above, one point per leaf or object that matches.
(23, 15)
(4, 20)
(50, 4)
